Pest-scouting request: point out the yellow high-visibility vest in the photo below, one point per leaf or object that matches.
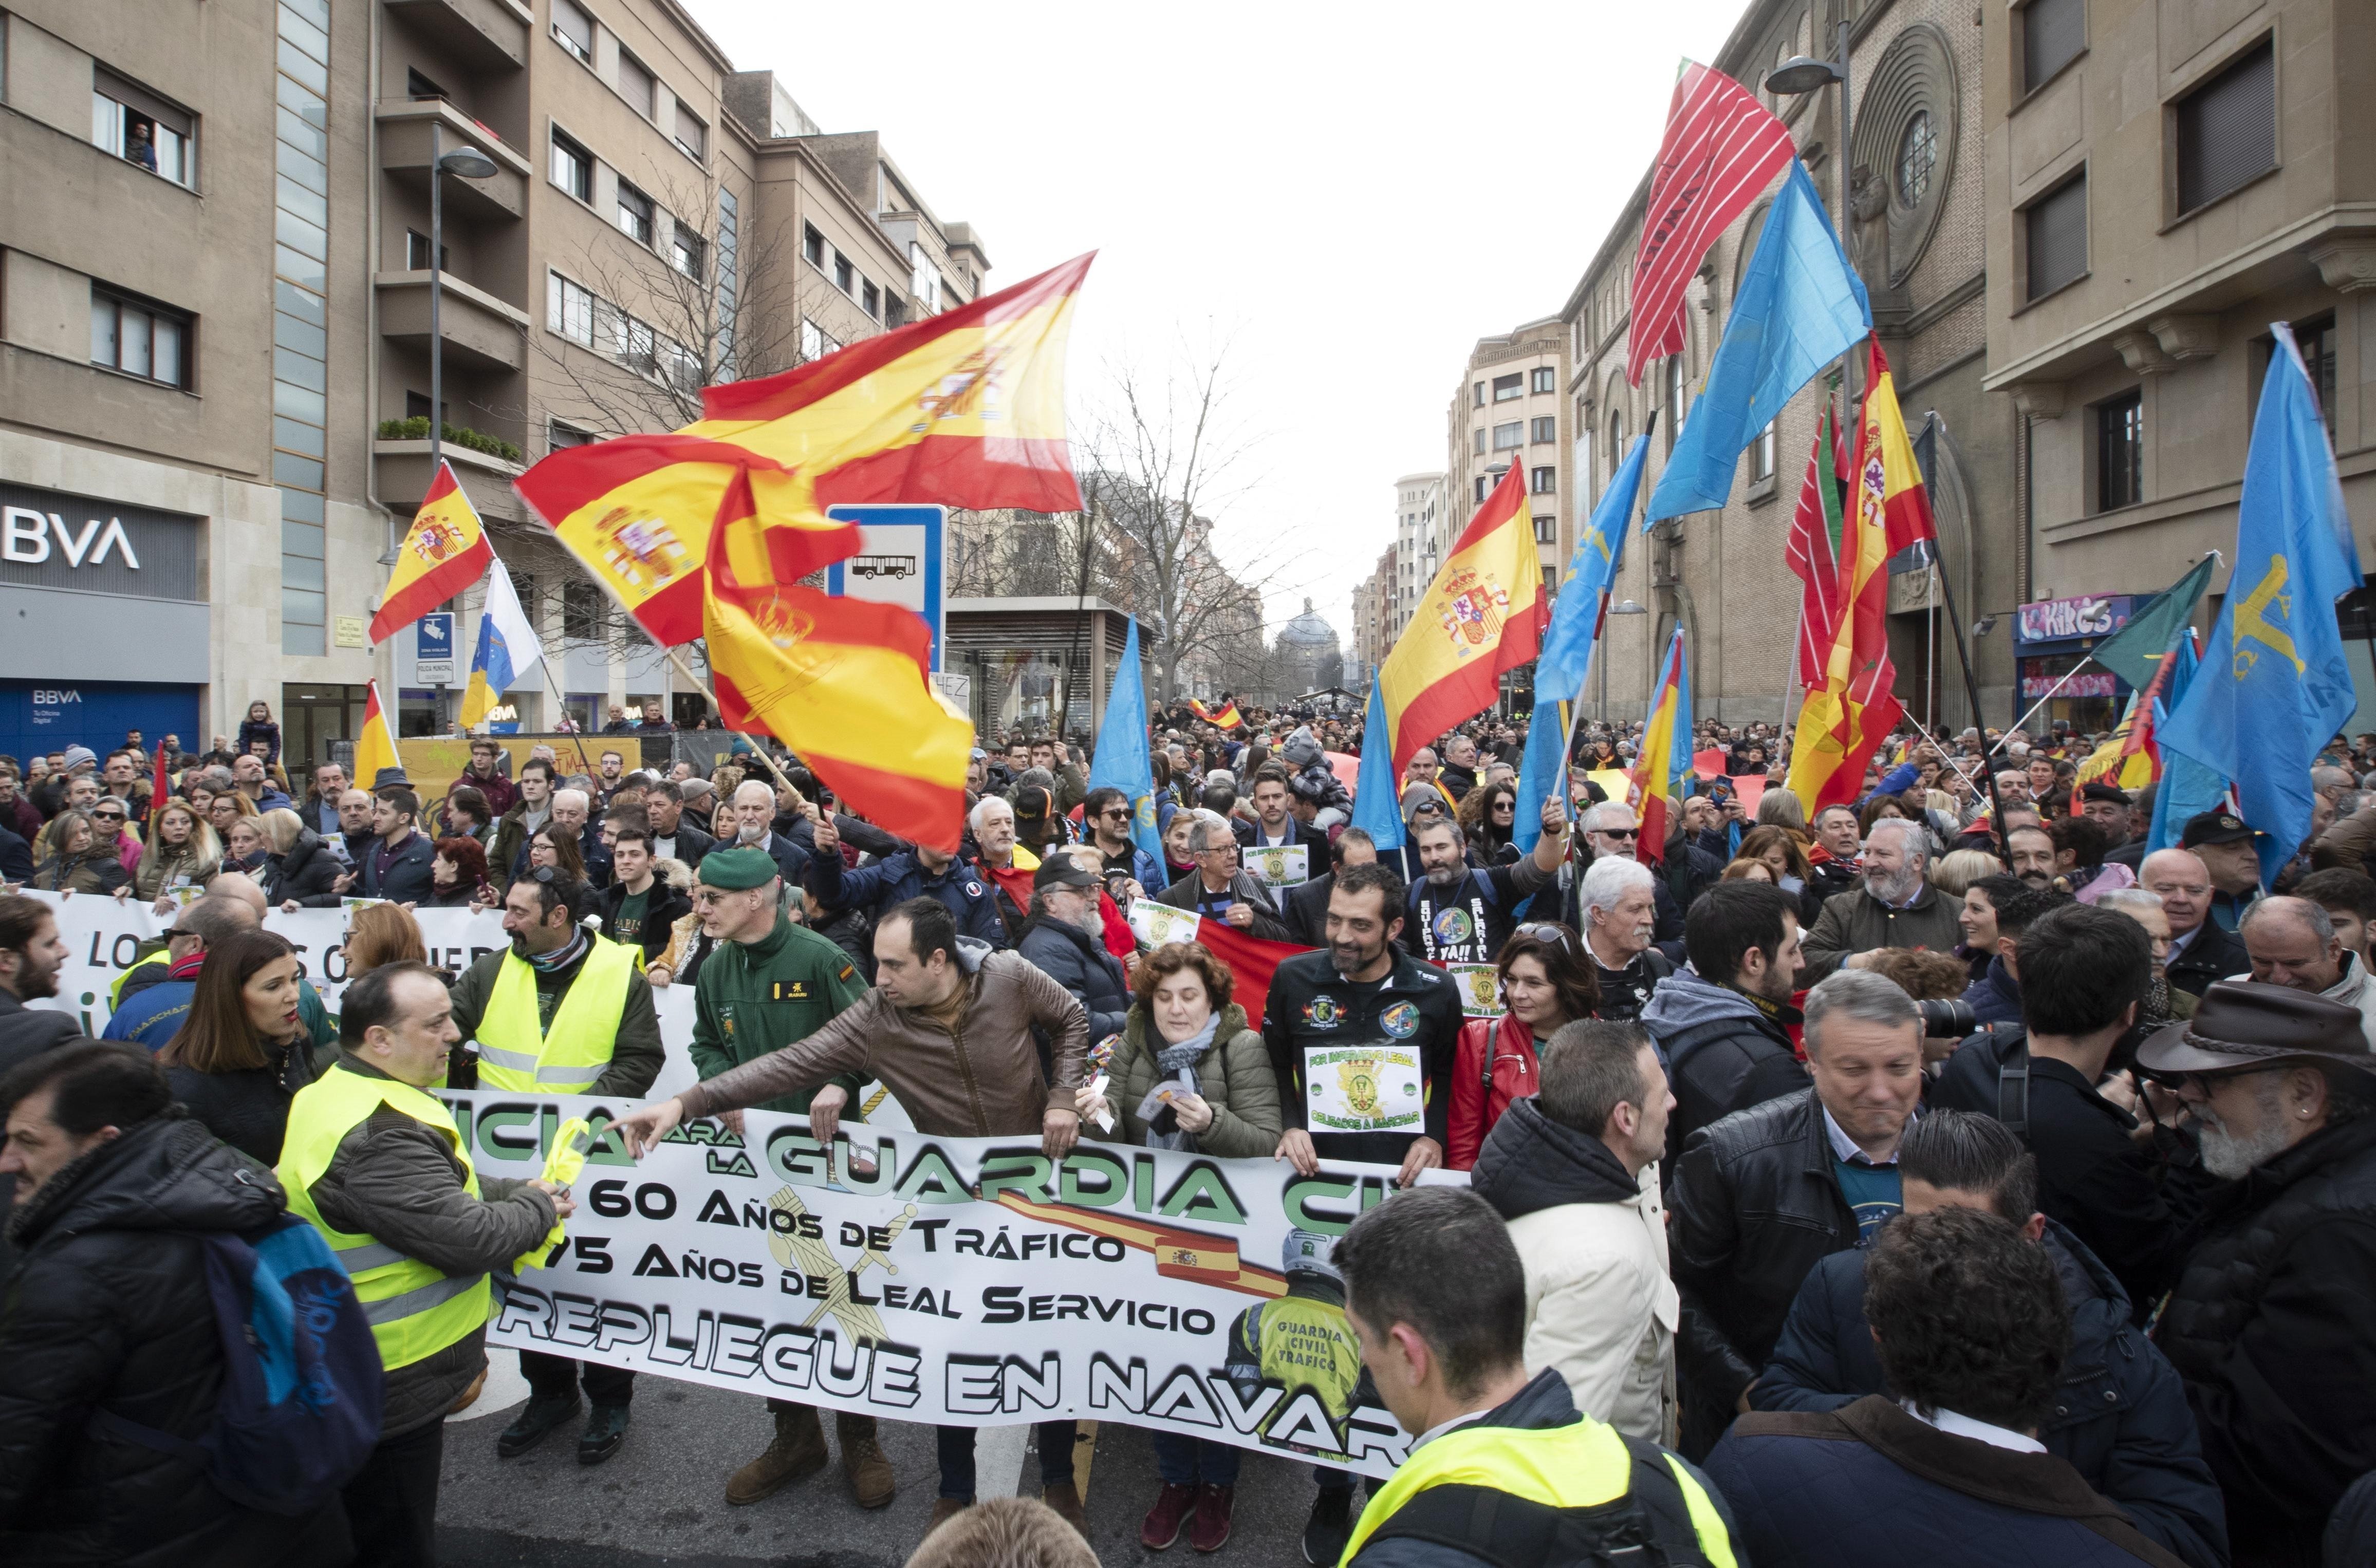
(516, 1052)
(1583, 1465)
(415, 1311)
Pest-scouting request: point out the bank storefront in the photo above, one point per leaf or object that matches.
(2051, 639)
(102, 625)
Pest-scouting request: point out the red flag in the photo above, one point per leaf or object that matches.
(157, 790)
(1251, 959)
(1812, 550)
(1722, 147)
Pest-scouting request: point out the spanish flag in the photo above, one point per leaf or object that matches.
(841, 681)
(1662, 773)
(445, 550)
(965, 408)
(1227, 718)
(376, 747)
(1845, 719)
(1483, 614)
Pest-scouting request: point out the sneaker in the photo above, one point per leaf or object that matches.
(532, 1425)
(1210, 1531)
(1167, 1518)
(1330, 1527)
(605, 1434)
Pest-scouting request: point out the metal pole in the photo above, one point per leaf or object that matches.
(1972, 694)
(2049, 697)
(436, 279)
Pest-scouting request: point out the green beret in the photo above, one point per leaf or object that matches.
(736, 868)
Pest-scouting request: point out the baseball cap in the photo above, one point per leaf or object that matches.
(1062, 871)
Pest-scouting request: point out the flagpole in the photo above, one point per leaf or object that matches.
(685, 667)
(1972, 694)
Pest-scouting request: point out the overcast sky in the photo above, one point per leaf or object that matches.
(1346, 197)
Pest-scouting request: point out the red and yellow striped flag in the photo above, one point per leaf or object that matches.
(1663, 769)
(964, 408)
(444, 551)
(376, 747)
(1483, 614)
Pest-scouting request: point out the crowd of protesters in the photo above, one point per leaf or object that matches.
(1949, 1174)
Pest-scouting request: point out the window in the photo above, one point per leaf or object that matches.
(1546, 528)
(1510, 436)
(845, 277)
(558, 437)
(815, 341)
(634, 214)
(573, 29)
(1484, 488)
(1508, 386)
(2121, 452)
(569, 311)
(1546, 430)
(1546, 378)
(1480, 440)
(2316, 342)
(635, 85)
(923, 279)
(690, 134)
(2228, 129)
(869, 299)
(2057, 229)
(1917, 155)
(1761, 465)
(141, 128)
(416, 253)
(1545, 481)
(581, 611)
(416, 405)
(686, 250)
(1480, 394)
(420, 88)
(632, 342)
(139, 338)
(813, 244)
(895, 311)
(2053, 34)
(573, 168)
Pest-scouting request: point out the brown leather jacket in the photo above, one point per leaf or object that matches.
(984, 1083)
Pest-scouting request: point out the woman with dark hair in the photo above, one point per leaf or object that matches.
(244, 1052)
(457, 877)
(1546, 983)
(1486, 815)
(1190, 1054)
(558, 850)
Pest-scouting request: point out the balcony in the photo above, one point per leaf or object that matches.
(482, 333)
(403, 157)
(483, 35)
(403, 473)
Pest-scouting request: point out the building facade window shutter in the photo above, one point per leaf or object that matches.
(2228, 129)
(2052, 34)
(2058, 239)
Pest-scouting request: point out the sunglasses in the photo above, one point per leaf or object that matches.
(1542, 931)
(109, 816)
(1618, 832)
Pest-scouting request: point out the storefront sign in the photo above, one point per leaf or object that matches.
(2093, 683)
(49, 539)
(2060, 620)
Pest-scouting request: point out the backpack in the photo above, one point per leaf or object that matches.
(299, 1412)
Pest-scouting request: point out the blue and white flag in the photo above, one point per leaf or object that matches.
(1122, 760)
(507, 647)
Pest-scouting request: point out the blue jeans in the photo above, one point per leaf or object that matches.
(1182, 1460)
(955, 1444)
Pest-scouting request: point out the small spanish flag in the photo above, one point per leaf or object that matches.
(445, 550)
(1663, 771)
(1227, 718)
(376, 747)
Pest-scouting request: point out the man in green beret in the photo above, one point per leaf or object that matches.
(770, 983)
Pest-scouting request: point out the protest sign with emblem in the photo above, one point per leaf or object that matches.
(1279, 865)
(1156, 924)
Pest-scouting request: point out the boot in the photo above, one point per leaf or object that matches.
(537, 1418)
(863, 1463)
(1066, 1499)
(605, 1434)
(798, 1451)
(943, 1510)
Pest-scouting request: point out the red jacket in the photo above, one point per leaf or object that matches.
(1475, 1105)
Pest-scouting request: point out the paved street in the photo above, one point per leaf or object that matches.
(661, 1500)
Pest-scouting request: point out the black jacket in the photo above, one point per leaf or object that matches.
(2268, 1326)
(1723, 1053)
(2214, 954)
(1304, 911)
(2091, 1175)
(2120, 1413)
(308, 873)
(247, 1108)
(25, 1032)
(1079, 963)
(1530, 1163)
(665, 905)
(410, 876)
(107, 1309)
(1311, 1007)
(689, 842)
(1753, 1207)
(16, 857)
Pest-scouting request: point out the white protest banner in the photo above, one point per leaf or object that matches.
(1156, 924)
(1481, 989)
(1279, 865)
(961, 1282)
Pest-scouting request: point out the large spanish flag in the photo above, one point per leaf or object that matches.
(445, 550)
(965, 408)
(1662, 773)
(841, 681)
(1843, 719)
(1483, 614)
(376, 747)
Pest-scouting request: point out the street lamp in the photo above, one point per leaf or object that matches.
(468, 163)
(1801, 75)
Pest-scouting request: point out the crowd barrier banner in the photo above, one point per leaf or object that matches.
(960, 1282)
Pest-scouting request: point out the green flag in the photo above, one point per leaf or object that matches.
(2135, 652)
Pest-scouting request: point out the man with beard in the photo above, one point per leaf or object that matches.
(1066, 939)
(1896, 907)
(1726, 1042)
(753, 813)
(2030, 854)
(1617, 907)
(561, 1011)
(31, 953)
(2085, 974)
(1460, 915)
(2267, 1322)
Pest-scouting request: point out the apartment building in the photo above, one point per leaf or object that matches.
(1373, 600)
(1506, 411)
(1422, 532)
(215, 274)
(2170, 178)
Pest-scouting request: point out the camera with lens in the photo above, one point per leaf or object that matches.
(1948, 1019)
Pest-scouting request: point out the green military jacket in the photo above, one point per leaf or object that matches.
(752, 998)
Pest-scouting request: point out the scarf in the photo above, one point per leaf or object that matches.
(1180, 1062)
(559, 958)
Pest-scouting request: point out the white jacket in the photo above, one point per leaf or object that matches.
(1601, 1308)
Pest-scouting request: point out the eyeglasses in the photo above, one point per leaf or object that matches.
(1543, 930)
